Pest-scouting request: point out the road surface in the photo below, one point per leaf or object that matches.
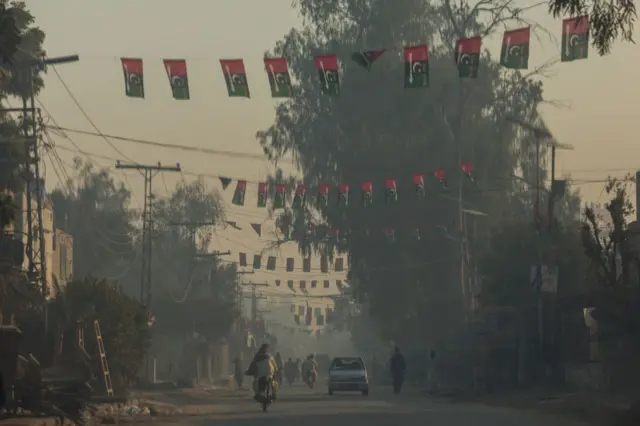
(301, 406)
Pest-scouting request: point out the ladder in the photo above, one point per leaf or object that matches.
(103, 358)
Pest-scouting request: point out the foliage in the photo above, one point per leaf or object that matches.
(608, 21)
(377, 129)
(123, 323)
(95, 211)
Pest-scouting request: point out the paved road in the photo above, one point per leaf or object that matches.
(300, 406)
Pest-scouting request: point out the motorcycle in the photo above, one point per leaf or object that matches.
(310, 380)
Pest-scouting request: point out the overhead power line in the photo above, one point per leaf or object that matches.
(209, 151)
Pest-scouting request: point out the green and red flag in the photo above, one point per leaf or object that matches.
(262, 194)
(343, 195)
(225, 181)
(467, 169)
(467, 56)
(279, 79)
(575, 39)
(391, 191)
(300, 197)
(441, 177)
(178, 78)
(416, 66)
(239, 193)
(367, 193)
(323, 195)
(366, 58)
(235, 77)
(390, 234)
(418, 183)
(280, 196)
(327, 66)
(515, 49)
(133, 77)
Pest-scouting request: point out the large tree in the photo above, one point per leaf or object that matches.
(377, 130)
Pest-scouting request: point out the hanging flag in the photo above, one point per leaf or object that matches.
(575, 39)
(279, 79)
(391, 193)
(339, 264)
(271, 265)
(515, 49)
(324, 264)
(280, 197)
(258, 228)
(306, 265)
(290, 264)
(257, 261)
(300, 196)
(390, 234)
(418, 182)
(323, 195)
(235, 77)
(367, 58)
(367, 193)
(343, 195)
(225, 181)
(327, 67)
(238, 195)
(242, 259)
(177, 73)
(133, 77)
(441, 177)
(467, 56)
(262, 194)
(467, 169)
(416, 66)
(232, 223)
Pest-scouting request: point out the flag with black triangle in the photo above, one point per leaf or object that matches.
(225, 181)
(467, 169)
(258, 228)
(418, 182)
(366, 58)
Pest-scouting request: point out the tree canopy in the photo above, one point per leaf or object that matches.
(377, 130)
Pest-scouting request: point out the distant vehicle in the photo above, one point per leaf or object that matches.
(348, 374)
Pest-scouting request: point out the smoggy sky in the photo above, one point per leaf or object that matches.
(599, 93)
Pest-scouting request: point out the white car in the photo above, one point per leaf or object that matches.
(348, 374)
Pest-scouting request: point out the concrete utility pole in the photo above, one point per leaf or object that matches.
(149, 172)
(25, 72)
(255, 298)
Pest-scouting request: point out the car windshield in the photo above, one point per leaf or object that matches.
(347, 364)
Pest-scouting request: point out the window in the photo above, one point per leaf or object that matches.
(326, 283)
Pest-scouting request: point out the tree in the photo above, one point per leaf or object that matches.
(608, 22)
(94, 209)
(377, 130)
(123, 323)
(19, 40)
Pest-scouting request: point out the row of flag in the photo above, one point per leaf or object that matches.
(322, 316)
(331, 234)
(514, 55)
(343, 190)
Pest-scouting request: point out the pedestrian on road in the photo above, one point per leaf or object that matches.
(398, 368)
(238, 371)
(298, 369)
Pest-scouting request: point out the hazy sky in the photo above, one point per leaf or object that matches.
(599, 92)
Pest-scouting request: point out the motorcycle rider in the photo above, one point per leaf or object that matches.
(309, 368)
(263, 368)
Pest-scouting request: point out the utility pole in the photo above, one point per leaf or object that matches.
(25, 72)
(149, 172)
(255, 298)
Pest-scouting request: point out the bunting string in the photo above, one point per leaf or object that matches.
(514, 54)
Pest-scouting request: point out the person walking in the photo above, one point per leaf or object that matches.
(398, 368)
(238, 371)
